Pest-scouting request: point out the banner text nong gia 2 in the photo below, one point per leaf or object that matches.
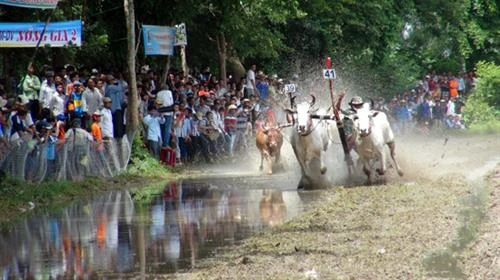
(26, 35)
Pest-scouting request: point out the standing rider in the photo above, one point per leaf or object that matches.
(355, 104)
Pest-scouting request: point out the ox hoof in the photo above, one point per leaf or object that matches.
(400, 173)
(261, 168)
(323, 170)
(380, 171)
(269, 173)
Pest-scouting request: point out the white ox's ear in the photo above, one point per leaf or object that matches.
(373, 113)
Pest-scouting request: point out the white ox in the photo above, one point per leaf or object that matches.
(309, 141)
(372, 132)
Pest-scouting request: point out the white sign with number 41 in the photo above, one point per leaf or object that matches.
(329, 74)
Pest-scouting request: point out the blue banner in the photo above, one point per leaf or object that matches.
(26, 35)
(37, 4)
(158, 40)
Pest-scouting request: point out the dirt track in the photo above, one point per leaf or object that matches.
(440, 220)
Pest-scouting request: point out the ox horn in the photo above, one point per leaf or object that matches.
(372, 103)
(313, 100)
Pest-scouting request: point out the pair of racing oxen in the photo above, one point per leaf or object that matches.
(310, 140)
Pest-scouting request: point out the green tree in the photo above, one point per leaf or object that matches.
(447, 34)
(483, 105)
(245, 29)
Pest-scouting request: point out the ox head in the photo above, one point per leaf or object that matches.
(274, 137)
(302, 115)
(363, 120)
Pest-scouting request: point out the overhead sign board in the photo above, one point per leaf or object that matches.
(158, 40)
(36, 4)
(27, 35)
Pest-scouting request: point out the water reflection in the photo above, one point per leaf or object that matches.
(113, 234)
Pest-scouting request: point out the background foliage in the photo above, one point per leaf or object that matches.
(483, 106)
(390, 42)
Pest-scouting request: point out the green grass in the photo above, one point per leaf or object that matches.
(17, 195)
(491, 127)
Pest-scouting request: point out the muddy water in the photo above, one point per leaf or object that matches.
(114, 235)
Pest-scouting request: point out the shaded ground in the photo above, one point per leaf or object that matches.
(440, 220)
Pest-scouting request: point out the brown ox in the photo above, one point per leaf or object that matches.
(269, 142)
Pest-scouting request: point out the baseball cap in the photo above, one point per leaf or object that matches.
(61, 117)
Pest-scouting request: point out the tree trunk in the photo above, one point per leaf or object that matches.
(221, 49)
(236, 67)
(132, 108)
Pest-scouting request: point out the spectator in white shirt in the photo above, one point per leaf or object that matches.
(166, 99)
(107, 120)
(47, 90)
(58, 102)
(450, 107)
(250, 89)
(92, 98)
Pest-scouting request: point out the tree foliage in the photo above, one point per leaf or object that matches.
(483, 106)
(391, 42)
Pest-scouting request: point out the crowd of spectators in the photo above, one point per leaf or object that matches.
(198, 117)
(435, 102)
(192, 115)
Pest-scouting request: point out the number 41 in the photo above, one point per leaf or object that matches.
(329, 74)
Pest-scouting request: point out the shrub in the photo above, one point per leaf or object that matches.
(483, 105)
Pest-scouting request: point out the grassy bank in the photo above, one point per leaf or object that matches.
(381, 232)
(19, 198)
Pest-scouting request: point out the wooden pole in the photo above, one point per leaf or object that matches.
(41, 37)
(132, 112)
(340, 125)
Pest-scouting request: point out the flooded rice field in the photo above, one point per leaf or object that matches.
(113, 234)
